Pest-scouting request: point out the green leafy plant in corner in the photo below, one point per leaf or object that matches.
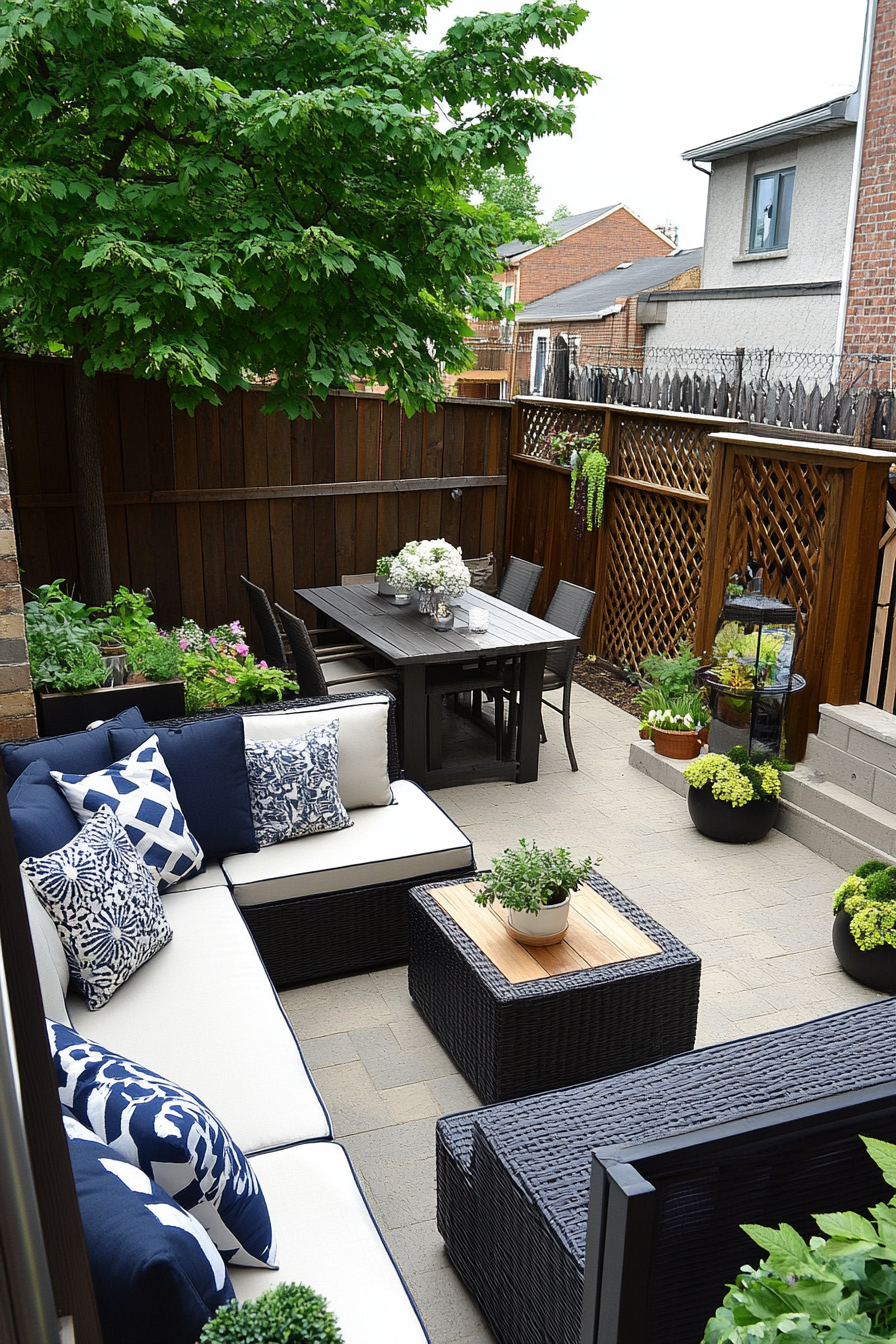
(868, 896)
(739, 778)
(63, 646)
(672, 676)
(291, 1313)
(829, 1290)
(526, 877)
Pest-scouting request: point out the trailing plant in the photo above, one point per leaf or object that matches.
(829, 1290)
(563, 447)
(291, 1313)
(589, 480)
(526, 877)
(868, 896)
(738, 778)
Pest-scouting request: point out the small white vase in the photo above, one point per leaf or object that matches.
(550, 919)
(384, 587)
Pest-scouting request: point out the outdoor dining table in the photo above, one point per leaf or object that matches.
(405, 639)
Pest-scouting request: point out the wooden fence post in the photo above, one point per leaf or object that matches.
(715, 577)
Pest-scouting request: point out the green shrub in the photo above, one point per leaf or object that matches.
(157, 656)
(831, 1290)
(868, 896)
(291, 1313)
(674, 676)
(738, 778)
(870, 867)
(882, 885)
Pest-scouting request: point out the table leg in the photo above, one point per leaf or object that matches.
(529, 725)
(413, 714)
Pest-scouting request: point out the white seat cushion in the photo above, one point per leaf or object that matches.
(327, 1238)
(49, 954)
(363, 743)
(204, 1014)
(412, 838)
(341, 669)
(211, 876)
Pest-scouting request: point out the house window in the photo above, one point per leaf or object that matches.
(540, 341)
(508, 293)
(770, 220)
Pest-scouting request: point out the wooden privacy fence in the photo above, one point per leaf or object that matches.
(686, 508)
(193, 502)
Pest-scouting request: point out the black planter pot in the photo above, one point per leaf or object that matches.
(58, 712)
(876, 969)
(733, 825)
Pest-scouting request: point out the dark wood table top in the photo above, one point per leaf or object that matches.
(403, 636)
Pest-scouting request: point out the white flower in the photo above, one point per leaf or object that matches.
(430, 564)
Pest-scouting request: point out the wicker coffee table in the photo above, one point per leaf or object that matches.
(618, 992)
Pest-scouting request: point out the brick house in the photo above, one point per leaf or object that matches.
(584, 245)
(595, 321)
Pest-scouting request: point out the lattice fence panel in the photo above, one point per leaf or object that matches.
(665, 452)
(777, 521)
(653, 575)
(541, 423)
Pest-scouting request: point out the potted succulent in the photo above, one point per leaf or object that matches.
(383, 570)
(734, 798)
(534, 885)
(435, 569)
(864, 932)
(291, 1313)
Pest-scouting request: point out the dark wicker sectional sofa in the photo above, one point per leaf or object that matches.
(763, 1129)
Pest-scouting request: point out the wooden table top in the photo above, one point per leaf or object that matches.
(598, 935)
(403, 636)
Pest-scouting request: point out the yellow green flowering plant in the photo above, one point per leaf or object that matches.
(868, 896)
(739, 777)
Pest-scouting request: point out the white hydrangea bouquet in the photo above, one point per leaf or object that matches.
(430, 566)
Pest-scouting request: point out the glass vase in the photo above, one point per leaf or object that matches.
(429, 600)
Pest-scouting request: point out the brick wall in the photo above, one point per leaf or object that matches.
(871, 309)
(16, 698)
(598, 247)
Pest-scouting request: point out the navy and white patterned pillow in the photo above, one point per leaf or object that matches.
(156, 1274)
(139, 791)
(293, 785)
(170, 1135)
(104, 901)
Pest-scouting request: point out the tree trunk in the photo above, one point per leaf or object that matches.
(93, 538)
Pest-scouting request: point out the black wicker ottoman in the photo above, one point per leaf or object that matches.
(514, 1180)
(510, 1040)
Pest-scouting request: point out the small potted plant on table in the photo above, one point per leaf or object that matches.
(864, 932)
(734, 798)
(383, 570)
(534, 886)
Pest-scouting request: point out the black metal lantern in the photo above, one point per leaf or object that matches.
(751, 677)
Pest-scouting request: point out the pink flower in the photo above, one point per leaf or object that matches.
(232, 680)
(212, 640)
(242, 649)
(262, 663)
(184, 645)
(236, 627)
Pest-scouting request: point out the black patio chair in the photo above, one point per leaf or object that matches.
(320, 673)
(271, 638)
(569, 609)
(521, 578)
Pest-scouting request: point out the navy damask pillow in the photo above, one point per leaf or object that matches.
(294, 786)
(79, 753)
(173, 1137)
(41, 818)
(207, 762)
(156, 1275)
(105, 903)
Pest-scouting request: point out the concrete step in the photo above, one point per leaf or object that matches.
(864, 820)
(825, 839)
(851, 772)
(642, 755)
(862, 731)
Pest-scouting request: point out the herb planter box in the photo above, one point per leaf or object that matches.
(69, 712)
(875, 968)
(732, 825)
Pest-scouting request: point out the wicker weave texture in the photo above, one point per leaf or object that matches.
(523, 1169)
(512, 1040)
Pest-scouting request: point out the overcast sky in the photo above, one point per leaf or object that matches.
(674, 76)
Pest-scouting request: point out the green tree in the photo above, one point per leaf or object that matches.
(517, 193)
(562, 212)
(217, 189)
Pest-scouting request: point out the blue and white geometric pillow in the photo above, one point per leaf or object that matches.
(140, 793)
(293, 785)
(173, 1137)
(156, 1274)
(105, 903)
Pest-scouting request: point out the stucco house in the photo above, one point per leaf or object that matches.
(776, 226)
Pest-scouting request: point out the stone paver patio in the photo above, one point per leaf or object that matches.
(758, 915)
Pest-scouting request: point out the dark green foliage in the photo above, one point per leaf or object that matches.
(675, 675)
(831, 1290)
(882, 885)
(526, 877)
(63, 646)
(212, 190)
(869, 868)
(291, 1313)
(128, 618)
(156, 657)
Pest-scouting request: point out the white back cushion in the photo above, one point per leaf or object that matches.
(52, 965)
(363, 744)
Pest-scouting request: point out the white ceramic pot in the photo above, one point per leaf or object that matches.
(384, 587)
(550, 919)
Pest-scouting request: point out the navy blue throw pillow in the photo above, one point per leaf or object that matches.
(207, 764)
(42, 820)
(72, 753)
(155, 1272)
